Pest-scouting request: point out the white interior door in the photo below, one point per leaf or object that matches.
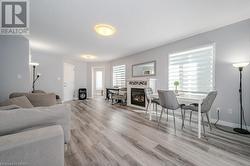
(98, 81)
(69, 81)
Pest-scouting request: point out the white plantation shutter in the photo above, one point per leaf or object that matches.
(119, 76)
(194, 69)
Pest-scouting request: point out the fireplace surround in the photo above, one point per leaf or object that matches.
(138, 97)
(135, 91)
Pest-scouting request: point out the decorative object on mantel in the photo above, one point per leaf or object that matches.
(137, 82)
(240, 130)
(35, 75)
(144, 69)
(176, 84)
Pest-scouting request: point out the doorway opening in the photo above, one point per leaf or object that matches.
(98, 83)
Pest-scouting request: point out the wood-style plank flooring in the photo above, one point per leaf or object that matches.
(106, 135)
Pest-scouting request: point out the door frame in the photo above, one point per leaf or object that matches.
(93, 69)
(65, 63)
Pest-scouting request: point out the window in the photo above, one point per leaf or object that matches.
(194, 69)
(119, 76)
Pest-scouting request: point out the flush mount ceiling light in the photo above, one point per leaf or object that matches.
(88, 56)
(105, 29)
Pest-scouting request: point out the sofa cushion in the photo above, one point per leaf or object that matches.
(19, 101)
(27, 118)
(42, 99)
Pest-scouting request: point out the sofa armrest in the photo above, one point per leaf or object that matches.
(39, 147)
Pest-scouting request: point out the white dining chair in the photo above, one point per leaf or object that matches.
(205, 108)
(150, 100)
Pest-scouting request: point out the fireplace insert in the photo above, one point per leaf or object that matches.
(138, 97)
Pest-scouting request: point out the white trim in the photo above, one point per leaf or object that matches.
(191, 49)
(228, 124)
(93, 79)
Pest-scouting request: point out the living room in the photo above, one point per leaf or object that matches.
(125, 83)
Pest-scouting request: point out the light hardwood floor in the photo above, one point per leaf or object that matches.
(105, 134)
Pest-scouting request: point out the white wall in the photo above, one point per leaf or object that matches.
(51, 68)
(14, 65)
(232, 45)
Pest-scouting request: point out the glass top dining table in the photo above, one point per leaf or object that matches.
(187, 99)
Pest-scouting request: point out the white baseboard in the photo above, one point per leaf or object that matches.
(225, 123)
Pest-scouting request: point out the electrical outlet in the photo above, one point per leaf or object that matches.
(230, 111)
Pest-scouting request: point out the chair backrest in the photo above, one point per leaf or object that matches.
(148, 92)
(168, 99)
(208, 101)
(123, 89)
(123, 92)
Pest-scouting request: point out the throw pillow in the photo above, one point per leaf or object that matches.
(19, 101)
(42, 99)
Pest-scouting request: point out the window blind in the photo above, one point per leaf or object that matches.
(119, 76)
(194, 69)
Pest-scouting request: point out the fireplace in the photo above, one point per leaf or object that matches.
(138, 97)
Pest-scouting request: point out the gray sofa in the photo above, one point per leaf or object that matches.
(34, 136)
(37, 147)
(39, 98)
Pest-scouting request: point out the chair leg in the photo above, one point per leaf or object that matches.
(156, 111)
(183, 117)
(153, 107)
(174, 122)
(203, 125)
(160, 116)
(209, 122)
(190, 117)
(167, 114)
(147, 108)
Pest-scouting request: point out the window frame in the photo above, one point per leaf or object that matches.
(213, 45)
(125, 85)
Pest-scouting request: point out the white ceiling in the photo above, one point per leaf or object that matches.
(67, 25)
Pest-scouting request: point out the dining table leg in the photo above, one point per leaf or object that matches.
(150, 111)
(199, 119)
